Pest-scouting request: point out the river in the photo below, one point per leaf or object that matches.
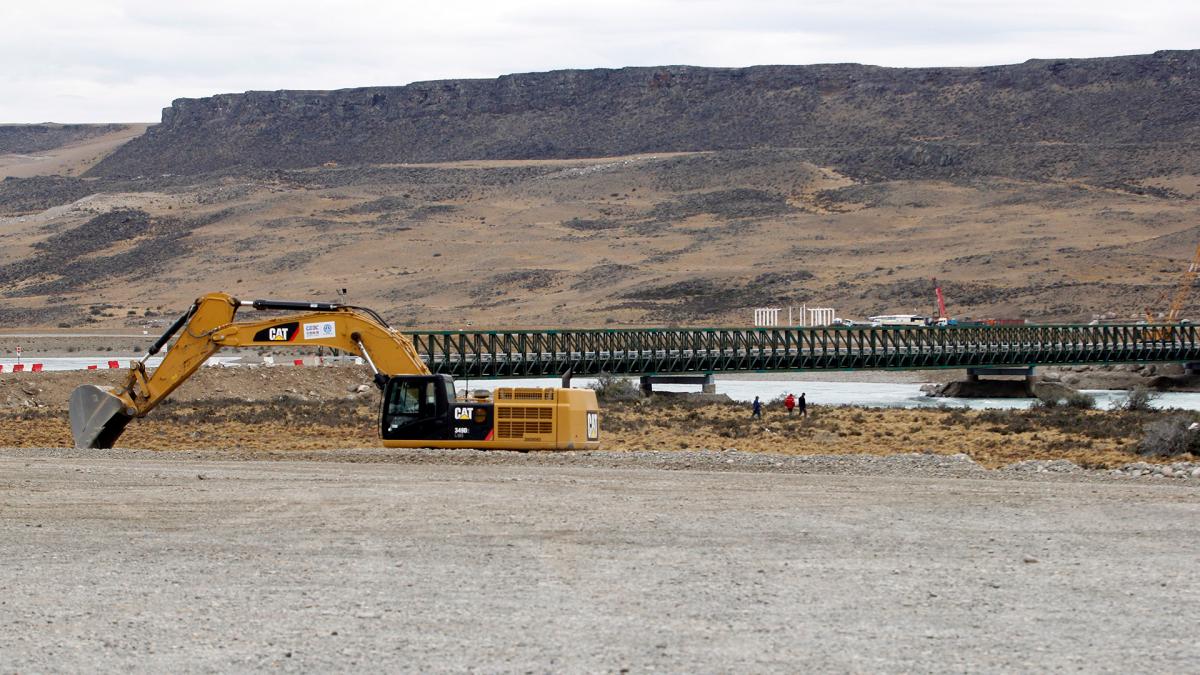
(869, 394)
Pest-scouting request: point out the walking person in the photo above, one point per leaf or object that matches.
(790, 403)
(802, 405)
(757, 409)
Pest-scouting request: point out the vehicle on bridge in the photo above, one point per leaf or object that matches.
(898, 320)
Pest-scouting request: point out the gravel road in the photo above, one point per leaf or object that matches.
(127, 560)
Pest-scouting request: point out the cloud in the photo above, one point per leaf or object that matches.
(104, 60)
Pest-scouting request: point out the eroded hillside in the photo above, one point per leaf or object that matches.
(1052, 190)
(696, 238)
(59, 149)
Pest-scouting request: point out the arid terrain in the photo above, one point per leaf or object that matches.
(277, 412)
(125, 560)
(697, 239)
(1053, 191)
(28, 150)
(250, 522)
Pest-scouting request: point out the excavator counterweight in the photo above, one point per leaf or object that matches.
(419, 408)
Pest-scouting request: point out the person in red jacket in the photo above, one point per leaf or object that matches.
(789, 403)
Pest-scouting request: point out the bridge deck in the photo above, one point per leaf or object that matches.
(714, 350)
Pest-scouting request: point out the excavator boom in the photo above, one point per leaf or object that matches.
(100, 414)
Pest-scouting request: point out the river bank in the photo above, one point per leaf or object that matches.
(305, 421)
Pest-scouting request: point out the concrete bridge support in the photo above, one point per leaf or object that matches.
(1023, 371)
(707, 383)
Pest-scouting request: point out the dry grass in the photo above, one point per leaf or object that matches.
(1096, 439)
(994, 438)
(649, 253)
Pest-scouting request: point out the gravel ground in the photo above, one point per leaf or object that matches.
(420, 561)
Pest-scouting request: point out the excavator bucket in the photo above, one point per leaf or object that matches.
(97, 416)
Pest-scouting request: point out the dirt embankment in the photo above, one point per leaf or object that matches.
(50, 391)
(1156, 376)
(280, 410)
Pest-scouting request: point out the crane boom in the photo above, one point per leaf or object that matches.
(1185, 288)
(941, 300)
(1182, 292)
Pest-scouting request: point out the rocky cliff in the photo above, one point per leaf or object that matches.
(1106, 118)
(31, 138)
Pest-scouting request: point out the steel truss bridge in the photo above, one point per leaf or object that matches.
(661, 351)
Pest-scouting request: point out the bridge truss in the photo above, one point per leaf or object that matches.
(552, 353)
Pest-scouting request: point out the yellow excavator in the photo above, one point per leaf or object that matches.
(419, 409)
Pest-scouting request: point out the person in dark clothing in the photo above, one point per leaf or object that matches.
(757, 410)
(802, 405)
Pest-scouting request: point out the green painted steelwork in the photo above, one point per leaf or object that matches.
(650, 351)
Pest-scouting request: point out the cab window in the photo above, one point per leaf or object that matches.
(406, 398)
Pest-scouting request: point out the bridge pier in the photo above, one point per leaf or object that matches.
(707, 383)
(1191, 368)
(1025, 371)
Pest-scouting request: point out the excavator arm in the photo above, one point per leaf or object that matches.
(99, 414)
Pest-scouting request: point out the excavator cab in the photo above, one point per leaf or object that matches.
(418, 407)
(422, 409)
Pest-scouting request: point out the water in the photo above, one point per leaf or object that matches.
(867, 394)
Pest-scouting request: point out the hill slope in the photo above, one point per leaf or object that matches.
(695, 238)
(1053, 190)
(59, 149)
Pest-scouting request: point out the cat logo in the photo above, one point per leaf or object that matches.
(593, 426)
(462, 413)
(284, 332)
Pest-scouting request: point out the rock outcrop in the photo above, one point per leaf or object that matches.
(1104, 118)
(32, 138)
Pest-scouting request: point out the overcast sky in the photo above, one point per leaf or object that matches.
(124, 60)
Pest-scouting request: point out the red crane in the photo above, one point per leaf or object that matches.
(941, 301)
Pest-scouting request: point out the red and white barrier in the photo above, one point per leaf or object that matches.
(93, 367)
(114, 364)
(22, 368)
(298, 362)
